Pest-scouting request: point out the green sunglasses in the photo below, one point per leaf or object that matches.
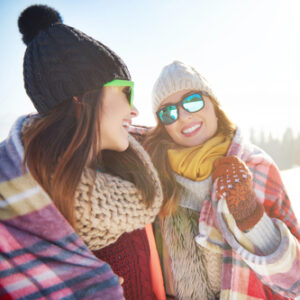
(121, 82)
(192, 103)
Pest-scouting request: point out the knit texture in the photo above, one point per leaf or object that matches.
(264, 235)
(176, 77)
(235, 185)
(193, 196)
(107, 206)
(61, 62)
(129, 258)
(197, 162)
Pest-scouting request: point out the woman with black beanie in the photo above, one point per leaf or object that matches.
(72, 179)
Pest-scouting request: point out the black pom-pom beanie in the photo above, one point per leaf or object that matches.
(60, 61)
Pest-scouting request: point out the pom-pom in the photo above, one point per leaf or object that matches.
(36, 18)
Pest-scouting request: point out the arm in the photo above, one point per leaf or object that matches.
(276, 201)
(280, 269)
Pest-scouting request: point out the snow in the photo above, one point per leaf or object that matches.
(291, 180)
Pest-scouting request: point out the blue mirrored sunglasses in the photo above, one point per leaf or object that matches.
(192, 103)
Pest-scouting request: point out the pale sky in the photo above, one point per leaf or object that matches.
(248, 50)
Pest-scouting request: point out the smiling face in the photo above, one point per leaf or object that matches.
(116, 116)
(191, 129)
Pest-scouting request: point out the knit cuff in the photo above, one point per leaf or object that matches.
(251, 221)
(264, 235)
(194, 192)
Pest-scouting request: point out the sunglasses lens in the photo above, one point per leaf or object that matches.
(168, 115)
(193, 103)
(127, 91)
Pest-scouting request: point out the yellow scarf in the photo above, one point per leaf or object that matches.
(196, 162)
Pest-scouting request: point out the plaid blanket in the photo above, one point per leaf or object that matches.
(246, 273)
(41, 257)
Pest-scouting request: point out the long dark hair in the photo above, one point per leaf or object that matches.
(59, 145)
(158, 142)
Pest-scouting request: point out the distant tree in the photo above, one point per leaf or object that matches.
(296, 157)
(252, 136)
(285, 152)
(262, 140)
(287, 149)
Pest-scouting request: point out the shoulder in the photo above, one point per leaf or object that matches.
(263, 168)
(250, 153)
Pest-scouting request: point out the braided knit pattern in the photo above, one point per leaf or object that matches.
(106, 206)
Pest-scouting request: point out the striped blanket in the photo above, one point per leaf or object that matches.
(246, 273)
(41, 257)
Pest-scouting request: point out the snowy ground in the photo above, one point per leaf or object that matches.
(291, 179)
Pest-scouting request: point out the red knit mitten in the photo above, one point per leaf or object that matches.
(235, 185)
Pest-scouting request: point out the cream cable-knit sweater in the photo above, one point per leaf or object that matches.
(106, 206)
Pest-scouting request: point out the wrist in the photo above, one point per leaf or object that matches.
(250, 221)
(264, 235)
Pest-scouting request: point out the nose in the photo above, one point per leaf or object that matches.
(183, 114)
(134, 112)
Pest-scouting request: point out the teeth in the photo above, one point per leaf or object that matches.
(191, 129)
(126, 125)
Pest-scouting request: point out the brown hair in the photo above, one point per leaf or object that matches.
(158, 142)
(58, 146)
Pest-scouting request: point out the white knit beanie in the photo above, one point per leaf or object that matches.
(176, 77)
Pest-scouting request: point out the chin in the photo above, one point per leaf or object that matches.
(122, 147)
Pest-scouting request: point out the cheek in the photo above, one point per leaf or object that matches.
(172, 130)
(213, 122)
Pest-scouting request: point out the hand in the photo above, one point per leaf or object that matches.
(235, 185)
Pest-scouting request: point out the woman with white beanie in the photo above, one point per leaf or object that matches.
(226, 229)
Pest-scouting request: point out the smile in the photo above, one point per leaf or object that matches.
(191, 130)
(126, 124)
